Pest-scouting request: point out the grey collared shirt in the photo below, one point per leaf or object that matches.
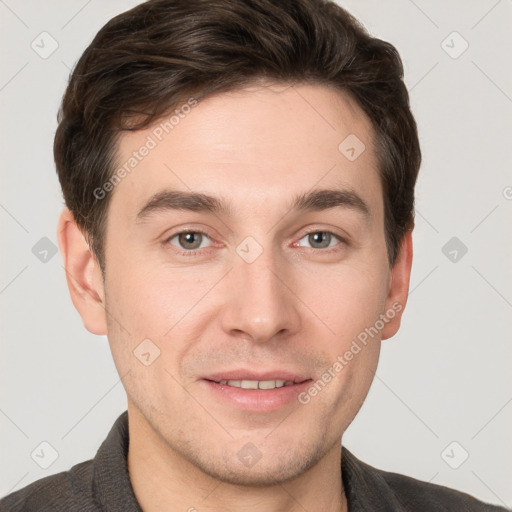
(103, 484)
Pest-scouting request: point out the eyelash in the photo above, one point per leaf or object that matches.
(194, 252)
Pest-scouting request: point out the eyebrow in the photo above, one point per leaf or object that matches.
(316, 200)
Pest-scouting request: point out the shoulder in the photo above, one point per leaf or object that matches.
(68, 490)
(372, 489)
(416, 495)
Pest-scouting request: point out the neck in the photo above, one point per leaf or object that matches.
(163, 480)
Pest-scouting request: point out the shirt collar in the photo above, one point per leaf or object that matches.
(365, 488)
(112, 487)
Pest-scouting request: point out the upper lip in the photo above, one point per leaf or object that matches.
(285, 375)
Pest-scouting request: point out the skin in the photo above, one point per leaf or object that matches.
(296, 306)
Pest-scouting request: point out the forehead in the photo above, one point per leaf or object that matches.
(260, 142)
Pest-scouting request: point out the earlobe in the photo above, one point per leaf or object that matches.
(399, 287)
(83, 274)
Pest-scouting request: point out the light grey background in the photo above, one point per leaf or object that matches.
(445, 377)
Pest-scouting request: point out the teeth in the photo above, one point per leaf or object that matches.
(257, 384)
(248, 384)
(270, 384)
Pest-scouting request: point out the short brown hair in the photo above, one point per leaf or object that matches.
(146, 61)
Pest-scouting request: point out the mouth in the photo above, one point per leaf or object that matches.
(250, 391)
(257, 384)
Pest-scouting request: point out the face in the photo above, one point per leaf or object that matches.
(250, 287)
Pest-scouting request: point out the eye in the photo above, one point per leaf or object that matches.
(321, 239)
(193, 241)
(189, 240)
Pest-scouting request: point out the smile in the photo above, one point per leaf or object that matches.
(256, 384)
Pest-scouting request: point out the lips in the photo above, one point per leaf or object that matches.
(255, 391)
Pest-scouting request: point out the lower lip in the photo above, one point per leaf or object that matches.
(257, 400)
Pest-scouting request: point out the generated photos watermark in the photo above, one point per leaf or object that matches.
(357, 345)
(157, 135)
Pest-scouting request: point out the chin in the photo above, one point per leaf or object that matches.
(273, 468)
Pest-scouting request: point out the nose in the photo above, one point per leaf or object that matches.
(261, 304)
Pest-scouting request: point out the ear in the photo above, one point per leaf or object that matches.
(83, 274)
(399, 287)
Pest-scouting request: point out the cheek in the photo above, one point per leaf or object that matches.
(141, 299)
(348, 300)
(166, 307)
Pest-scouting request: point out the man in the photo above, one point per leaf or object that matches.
(274, 137)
